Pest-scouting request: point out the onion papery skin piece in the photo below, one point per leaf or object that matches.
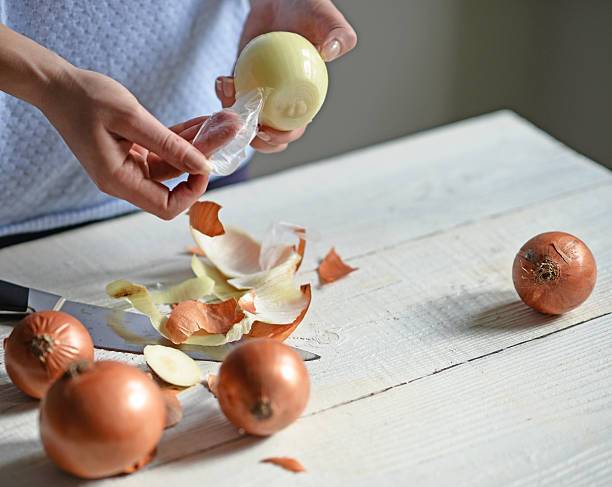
(102, 419)
(554, 272)
(41, 347)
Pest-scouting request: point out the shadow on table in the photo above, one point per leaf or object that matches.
(13, 401)
(31, 468)
(504, 310)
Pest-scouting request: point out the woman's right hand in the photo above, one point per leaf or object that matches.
(125, 150)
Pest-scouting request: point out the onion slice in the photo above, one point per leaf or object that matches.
(172, 365)
(204, 217)
(332, 268)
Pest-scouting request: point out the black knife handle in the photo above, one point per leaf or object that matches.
(13, 297)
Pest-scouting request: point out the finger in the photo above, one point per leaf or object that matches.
(225, 90)
(217, 131)
(145, 130)
(194, 122)
(277, 137)
(190, 133)
(263, 147)
(130, 184)
(159, 169)
(335, 36)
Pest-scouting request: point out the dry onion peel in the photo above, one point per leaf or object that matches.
(191, 317)
(279, 242)
(235, 253)
(139, 297)
(332, 268)
(193, 288)
(174, 410)
(204, 217)
(221, 289)
(236, 332)
(287, 463)
(281, 332)
(172, 365)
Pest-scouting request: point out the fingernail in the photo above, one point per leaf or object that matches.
(219, 85)
(264, 136)
(331, 50)
(228, 88)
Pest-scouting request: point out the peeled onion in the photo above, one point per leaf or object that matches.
(41, 347)
(554, 272)
(102, 419)
(262, 386)
(291, 73)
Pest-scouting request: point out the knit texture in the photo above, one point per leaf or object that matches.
(167, 53)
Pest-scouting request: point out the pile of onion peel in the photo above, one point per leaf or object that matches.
(41, 347)
(287, 463)
(332, 268)
(242, 288)
(554, 272)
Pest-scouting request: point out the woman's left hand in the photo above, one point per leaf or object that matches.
(319, 21)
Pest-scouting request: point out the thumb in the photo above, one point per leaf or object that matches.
(335, 36)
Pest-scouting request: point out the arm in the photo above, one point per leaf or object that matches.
(123, 148)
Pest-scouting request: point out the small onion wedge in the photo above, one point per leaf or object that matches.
(172, 365)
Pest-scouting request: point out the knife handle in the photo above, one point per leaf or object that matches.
(13, 297)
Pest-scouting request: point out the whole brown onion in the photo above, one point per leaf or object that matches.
(554, 272)
(102, 419)
(40, 348)
(263, 386)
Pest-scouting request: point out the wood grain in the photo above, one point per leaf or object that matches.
(433, 231)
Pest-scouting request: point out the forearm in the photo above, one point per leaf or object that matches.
(27, 69)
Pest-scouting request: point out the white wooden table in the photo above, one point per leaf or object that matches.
(432, 372)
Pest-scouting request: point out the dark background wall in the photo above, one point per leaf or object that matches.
(425, 63)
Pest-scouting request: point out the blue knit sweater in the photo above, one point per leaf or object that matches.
(168, 53)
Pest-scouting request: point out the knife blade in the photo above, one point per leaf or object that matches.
(111, 329)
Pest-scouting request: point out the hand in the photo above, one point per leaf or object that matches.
(125, 150)
(319, 21)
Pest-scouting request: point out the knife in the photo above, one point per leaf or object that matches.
(111, 329)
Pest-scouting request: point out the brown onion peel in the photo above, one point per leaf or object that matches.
(332, 268)
(41, 347)
(288, 463)
(262, 386)
(281, 332)
(204, 217)
(101, 419)
(554, 272)
(193, 317)
(174, 410)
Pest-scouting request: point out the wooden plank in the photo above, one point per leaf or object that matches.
(360, 202)
(415, 306)
(381, 326)
(537, 414)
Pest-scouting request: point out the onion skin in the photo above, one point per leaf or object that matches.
(263, 386)
(41, 347)
(554, 272)
(102, 419)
